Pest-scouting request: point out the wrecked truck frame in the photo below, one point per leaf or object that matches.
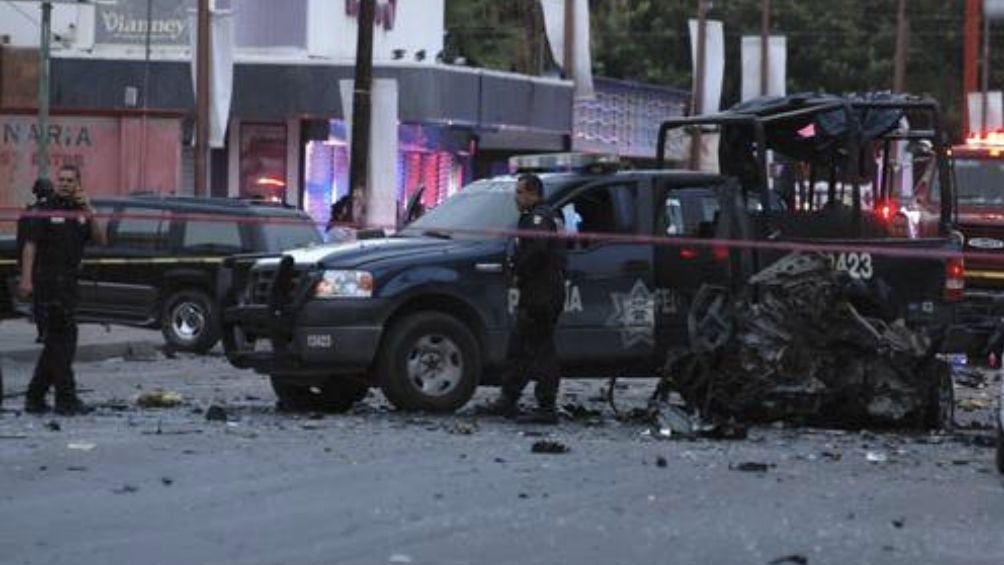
(831, 133)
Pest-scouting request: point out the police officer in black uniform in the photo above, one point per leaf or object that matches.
(538, 271)
(50, 267)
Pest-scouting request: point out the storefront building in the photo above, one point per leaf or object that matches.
(285, 128)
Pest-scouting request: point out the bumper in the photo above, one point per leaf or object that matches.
(975, 322)
(323, 338)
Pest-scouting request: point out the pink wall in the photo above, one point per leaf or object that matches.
(114, 155)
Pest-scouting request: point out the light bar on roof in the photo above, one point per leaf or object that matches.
(555, 162)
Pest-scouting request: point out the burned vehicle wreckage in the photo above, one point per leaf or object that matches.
(819, 336)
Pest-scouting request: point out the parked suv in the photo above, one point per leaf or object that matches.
(160, 265)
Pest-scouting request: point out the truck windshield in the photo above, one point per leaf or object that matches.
(979, 181)
(289, 234)
(473, 213)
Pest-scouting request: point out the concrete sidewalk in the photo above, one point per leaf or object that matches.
(96, 342)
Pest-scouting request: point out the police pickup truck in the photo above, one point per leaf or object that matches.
(424, 314)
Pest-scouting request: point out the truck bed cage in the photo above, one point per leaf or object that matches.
(821, 130)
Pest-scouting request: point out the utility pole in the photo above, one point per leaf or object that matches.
(202, 102)
(971, 35)
(764, 47)
(902, 29)
(697, 104)
(569, 61)
(361, 110)
(43, 92)
(986, 72)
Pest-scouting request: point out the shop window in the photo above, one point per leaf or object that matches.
(263, 161)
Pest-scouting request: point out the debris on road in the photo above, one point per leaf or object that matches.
(126, 489)
(53, 425)
(216, 413)
(752, 467)
(660, 461)
(815, 347)
(159, 399)
(795, 559)
(81, 446)
(876, 457)
(547, 446)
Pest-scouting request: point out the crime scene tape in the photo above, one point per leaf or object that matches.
(890, 247)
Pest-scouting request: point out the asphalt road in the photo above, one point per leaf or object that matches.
(140, 485)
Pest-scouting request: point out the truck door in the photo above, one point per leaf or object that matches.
(684, 216)
(609, 310)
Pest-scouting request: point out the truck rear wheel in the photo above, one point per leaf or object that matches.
(190, 321)
(336, 395)
(429, 361)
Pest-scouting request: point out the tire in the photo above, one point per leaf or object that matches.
(336, 396)
(429, 361)
(190, 321)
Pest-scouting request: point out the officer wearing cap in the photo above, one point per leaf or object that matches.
(538, 272)
(50, 265)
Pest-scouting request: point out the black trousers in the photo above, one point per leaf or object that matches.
(532, 355)
(55, 364)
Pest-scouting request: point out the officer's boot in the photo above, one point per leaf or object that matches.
(71, 405)
(504, 405)
(34, 399)
(67, 401)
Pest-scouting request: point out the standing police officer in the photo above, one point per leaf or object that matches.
(50, 267)
(538, 272)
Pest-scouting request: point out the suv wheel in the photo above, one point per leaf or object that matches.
(336, 395)
(430, 361)
(190, 321)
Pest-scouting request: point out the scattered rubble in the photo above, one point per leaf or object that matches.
(752, 467)
(547, 446)
(216, 413)
(159, 399)
(815, 347)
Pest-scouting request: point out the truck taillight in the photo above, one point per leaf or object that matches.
(955, 279)
(886, 210)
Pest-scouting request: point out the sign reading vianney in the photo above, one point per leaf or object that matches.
(125, 22)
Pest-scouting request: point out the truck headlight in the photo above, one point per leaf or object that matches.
(344, 284)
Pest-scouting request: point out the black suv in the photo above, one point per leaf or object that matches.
(160, 265)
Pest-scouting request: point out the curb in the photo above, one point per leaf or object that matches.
(91, 352)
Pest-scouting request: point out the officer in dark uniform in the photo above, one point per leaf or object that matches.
(538, 271)
(50, 266)
(42, 189)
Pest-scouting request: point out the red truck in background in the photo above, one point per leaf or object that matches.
(978, 169)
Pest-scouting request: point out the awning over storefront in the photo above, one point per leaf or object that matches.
(484, 101)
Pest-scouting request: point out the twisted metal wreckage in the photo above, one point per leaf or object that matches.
(804, 343)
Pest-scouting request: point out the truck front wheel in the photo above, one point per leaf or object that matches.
(336, 395)
(429, 361)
